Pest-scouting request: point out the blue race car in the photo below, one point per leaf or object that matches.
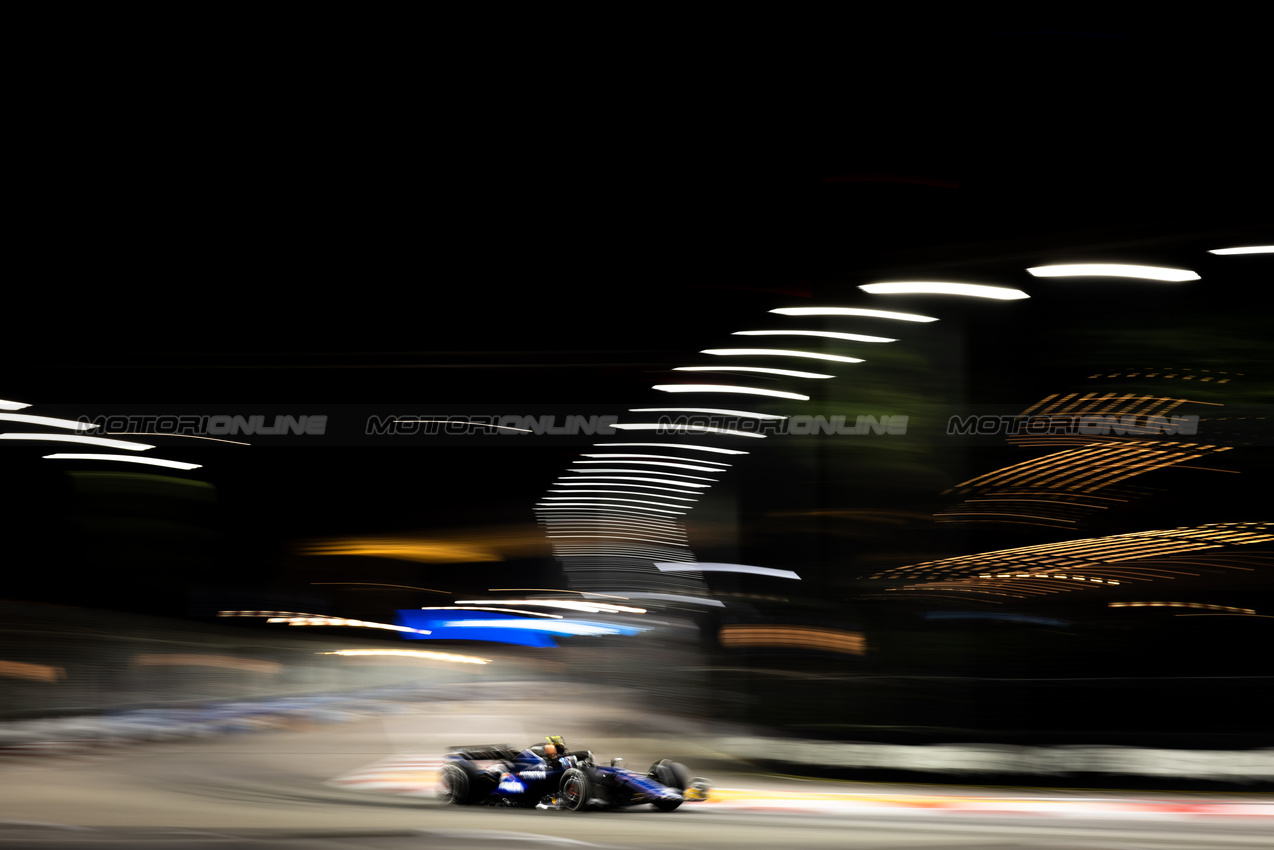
(548, 776)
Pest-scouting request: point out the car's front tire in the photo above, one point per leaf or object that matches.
(671, 774)
(576, 790)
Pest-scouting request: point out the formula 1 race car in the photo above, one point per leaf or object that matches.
(499, 775)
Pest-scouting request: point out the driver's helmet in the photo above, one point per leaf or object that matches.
(558, 745)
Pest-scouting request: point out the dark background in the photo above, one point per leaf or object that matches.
(555, 216)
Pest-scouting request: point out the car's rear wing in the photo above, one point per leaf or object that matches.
(484, 752)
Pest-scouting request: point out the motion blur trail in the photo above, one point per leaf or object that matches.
(417, 775)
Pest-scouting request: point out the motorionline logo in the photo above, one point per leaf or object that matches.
(609, 425)
(209, 425)
(1092, 425)
(800, 425)
(506, 425)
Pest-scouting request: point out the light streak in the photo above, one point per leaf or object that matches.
(779, 352)
(728, 568)
(760, 370)
(687, 445)
(824, 334)
(580, 476)
(722, 388)
(1000, 293)
(684, 428)
(853, 311)
(652, 457)
(711, 410)
(1251, 249)
(151, 461)
(1114, 270)
(570, 604)
(657, 463)
(50, 422)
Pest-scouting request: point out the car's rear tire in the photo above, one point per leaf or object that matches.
(461, 784)
(576, 790)
(666, 805)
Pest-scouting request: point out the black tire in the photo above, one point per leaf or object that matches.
(576, 790)
(671, 774)
(462, 784)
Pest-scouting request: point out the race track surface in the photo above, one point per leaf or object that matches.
(369, 784)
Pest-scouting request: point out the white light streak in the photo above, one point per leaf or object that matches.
(921, 287)
(585, 518)
(727, 568)
(1251, 249)
(779, 352)
(721, 388)
(684, 428)
(653, 457)
(658, 539)
(585, 527)
(670, 526)
(151, 461)
(594, 514)
(825, 334)
(343, 621)
(662, 526)
(658, 463)
(853, 311)
(713, 410)
(564, 627)
(620, 493)
(655, 551)
(498, 610)
(28, 419)
(673, 597)
(75, 438)
(687, 445)
(599, 504)
(760, 370)
(12, 405)
(1113, 270)
(548, 512)
(570, 529)
(673, 474)
(569, 604)
(602, 483)
(616, 537)
(581, 477)
(611, 499)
